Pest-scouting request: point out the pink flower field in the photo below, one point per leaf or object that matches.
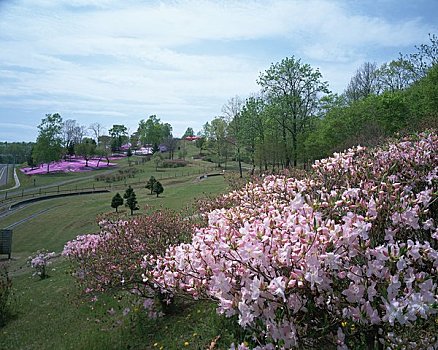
(74, 165)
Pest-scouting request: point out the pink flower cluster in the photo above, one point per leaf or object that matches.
(84, 245)
(39, 261)
(112, 259)
(102, 260)
(343, 257)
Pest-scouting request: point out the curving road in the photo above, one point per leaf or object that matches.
(3, 174)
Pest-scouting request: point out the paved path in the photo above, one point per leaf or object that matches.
(17, 181)
(29, 218)
(3, 174)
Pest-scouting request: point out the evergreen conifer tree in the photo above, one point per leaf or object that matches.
(158, 188)
(117, 201)
(150, 184)
(131, 199)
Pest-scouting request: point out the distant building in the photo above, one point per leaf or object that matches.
(126, 146)
(144, 151)
(192, 138)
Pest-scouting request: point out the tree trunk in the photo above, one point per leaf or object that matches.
(294, 141)
(240, 162)
(286, 154)
(48, 165)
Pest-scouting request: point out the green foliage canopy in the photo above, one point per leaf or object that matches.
(48, 147)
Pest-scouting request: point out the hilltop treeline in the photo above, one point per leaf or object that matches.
(295, 119)
(15, 152)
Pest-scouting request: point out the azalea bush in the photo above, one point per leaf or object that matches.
(39, 262)
(345, 257)
(110, 261)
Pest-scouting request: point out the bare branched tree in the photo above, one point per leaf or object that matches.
(365, 82)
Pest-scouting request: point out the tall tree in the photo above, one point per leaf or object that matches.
(200, 142)
(188, 133)
(97, 130)
(119, 135)
(134, 139)
(72, 134)
(48, 147)
(232, 111)
(171, 144)
(395, 75)
(254, 130)
(425, 58)
(294, 90)
(364, 82)
(30, 161)
(86, 149)
(104, 148)
(217, 137)
(152, 131)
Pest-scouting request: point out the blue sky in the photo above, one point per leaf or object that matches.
(116, 62)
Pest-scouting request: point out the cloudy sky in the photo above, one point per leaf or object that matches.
(116, 62)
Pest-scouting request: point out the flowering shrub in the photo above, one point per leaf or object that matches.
(344, 257)
(39, 261)
(110, 260)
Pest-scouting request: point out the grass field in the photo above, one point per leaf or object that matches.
(48, 313)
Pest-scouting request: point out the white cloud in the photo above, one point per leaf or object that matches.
(183, 59)
(17, 126)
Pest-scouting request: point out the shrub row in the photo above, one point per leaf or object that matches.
(121, 175)
(173, 163)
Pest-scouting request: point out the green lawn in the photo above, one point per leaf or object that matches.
(48, 313)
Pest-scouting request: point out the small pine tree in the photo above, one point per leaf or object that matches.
(150, 184)
(131, 199)
(128, 192)
(158, 188)
(117, 201)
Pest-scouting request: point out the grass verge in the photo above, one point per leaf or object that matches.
(48, 313)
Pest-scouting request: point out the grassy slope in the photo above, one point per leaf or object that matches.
(47, 316)
(50, 317)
